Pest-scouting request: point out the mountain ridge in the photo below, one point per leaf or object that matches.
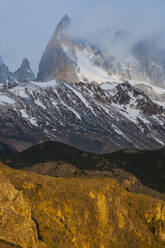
(106, 117)
(58, 159)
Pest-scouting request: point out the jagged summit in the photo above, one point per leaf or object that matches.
(24, 73)
(5, 75)
(64, 23)
(25, 63)
(55, 64)
(60, 31)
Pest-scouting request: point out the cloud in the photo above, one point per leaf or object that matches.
(118, 25)
(115, 25)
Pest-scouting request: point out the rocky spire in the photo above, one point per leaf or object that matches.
(5, 75)
(54, 63)
(25, 64)
(24, 73)
(63, 24)
(60, 32)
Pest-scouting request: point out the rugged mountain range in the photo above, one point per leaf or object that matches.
(98, 104)
(98, 118)
(93, 102)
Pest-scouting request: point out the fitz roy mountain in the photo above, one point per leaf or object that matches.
(75, 60)
(85, 99)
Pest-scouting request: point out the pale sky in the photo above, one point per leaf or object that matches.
(27, 25)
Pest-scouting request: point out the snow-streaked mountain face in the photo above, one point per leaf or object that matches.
(95, 117)
(85, 98)
(73, 61)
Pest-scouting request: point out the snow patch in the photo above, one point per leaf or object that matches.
(108, 86)
(32, 120)
(89, 71)
(39, 104)
(6, 100)
(52, 83)
(80, 96)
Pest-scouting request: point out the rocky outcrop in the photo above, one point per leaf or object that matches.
(24, 73)
(80, 213)
(17, 229)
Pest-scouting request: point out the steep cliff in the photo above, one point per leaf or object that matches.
(84, 213)
(55, 64)
(17, 229)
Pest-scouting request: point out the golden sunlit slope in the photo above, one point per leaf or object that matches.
(40, 211)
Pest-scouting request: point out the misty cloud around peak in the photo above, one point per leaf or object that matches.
(118, 28)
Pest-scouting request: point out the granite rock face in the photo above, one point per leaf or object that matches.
(55, 64)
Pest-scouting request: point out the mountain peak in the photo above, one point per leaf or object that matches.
(25, 63)
(64, 23)
(54, 62)
(24, 73)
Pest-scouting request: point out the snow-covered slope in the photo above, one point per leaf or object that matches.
(94, 117)
(86, 68)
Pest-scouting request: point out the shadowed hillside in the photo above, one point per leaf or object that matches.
(57, 159)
